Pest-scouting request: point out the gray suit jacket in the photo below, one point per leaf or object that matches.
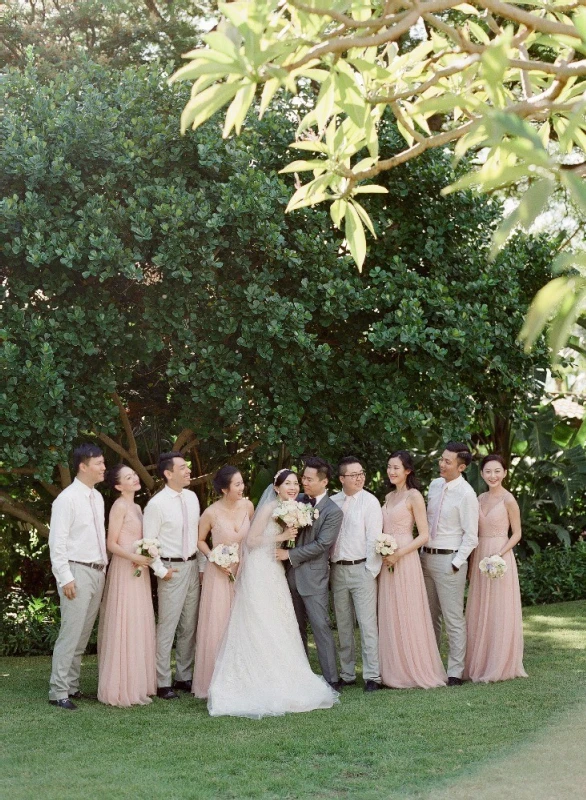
(310, 558)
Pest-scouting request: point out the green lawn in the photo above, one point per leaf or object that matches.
(387, 744)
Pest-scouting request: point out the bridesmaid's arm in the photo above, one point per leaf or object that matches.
(205, 526)
(515, 521)
(115, 521)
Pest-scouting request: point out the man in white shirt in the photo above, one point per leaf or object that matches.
(172, 517)
(452, 512)
(77, 544)
(355, 566)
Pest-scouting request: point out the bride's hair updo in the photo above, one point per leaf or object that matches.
(282, 476)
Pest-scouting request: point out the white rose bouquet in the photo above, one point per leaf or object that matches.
(150, 548)
(493, 566)
(386, 545)
(293, 514)
(224, 555)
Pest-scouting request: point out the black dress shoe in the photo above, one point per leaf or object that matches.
(371, 686)
(337, 686)
(167, 693)
(347, 683)
(455, 681)
(182, 686)
(65, 703)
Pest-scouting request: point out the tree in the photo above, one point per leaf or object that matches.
(62, 33)
(156, 296)
(502, 79)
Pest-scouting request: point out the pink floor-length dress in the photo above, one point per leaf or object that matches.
(126, 632)
(494, 624)
(408, 652)
(217, 596)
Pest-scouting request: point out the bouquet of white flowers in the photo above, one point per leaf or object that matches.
(150, 548)
(385, 545)
(224, 555)
(493, 566)
(293, 514)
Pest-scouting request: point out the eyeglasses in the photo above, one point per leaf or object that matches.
(353, 475)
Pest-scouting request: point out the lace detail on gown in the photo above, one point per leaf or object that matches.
(262, 669)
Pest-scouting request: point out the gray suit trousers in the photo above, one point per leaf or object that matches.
(315, 609)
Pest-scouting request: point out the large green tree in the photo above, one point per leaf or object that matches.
(155, 295)
(62, 33)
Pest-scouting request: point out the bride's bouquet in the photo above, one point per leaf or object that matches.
(386, 545)
(293, 514)
(493, 566)
(224, 555)
(150, 548)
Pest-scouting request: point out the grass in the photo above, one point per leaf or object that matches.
(391, 744)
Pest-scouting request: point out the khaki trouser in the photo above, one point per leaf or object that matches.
(178, 605)
(445, 592)
(354, 593)
(77, 621)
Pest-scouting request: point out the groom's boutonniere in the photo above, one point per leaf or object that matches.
(316, 513)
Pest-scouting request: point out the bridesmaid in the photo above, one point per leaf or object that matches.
(408, 651)
(494, 648)
(126, 632)
(228, 519)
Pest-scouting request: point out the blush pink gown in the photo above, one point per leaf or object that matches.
(494, 625)
(408, 652)
(126, 632)
(217, 596)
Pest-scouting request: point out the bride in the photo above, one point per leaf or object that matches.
(262, 669)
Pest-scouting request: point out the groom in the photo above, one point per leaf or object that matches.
(308, 570)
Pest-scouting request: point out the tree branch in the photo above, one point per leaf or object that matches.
(133, 460)
(19, 511)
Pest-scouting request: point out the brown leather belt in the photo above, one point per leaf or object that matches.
(93, 565)
(178, 560)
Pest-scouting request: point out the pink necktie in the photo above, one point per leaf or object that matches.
(98, 527)
(185, 549)
(436, 516)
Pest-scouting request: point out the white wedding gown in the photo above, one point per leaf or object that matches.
(262, 669)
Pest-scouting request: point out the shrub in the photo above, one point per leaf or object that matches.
(554, 575)
(29, 625)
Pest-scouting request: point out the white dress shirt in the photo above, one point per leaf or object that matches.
(457, 527)
(363, 523)
(163, 520)
(72, 532)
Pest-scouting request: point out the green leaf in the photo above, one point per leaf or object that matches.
(531, 205)
(205, 104)
(544, 305)
(355, 237)
(238, 109)
(338, 211)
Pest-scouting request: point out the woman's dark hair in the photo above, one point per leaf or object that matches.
(83, 453)
(322, 467)
(113, 475)
(493, 457)
(282, 476)
(463, 454)
(165, 462)
(406, 460)
(223, 477)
